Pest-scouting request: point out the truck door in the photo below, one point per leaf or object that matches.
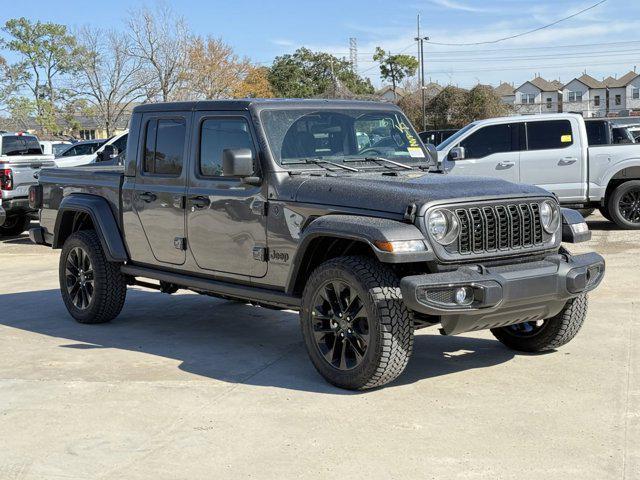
(160, 186)
(553, 158)
(491, 151)
(226, 223)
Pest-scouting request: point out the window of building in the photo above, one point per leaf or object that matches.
(618, 99)
(548, 135)
(549, 102)
(217, 135)
(528, 98)
(490, 140)
(635, 93)
(596, 100)
(164, 146)
(575, 96)
(87, 134)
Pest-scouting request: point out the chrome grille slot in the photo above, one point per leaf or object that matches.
(498, 228)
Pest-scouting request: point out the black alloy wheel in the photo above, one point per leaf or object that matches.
(624, 205)
(79, 278)
(340, 325)
(629, 205)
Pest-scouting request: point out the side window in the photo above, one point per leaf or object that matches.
(548, 135)
(217, 135)
(164, 146)
(121, 144)
(489, 140)
(596, 133)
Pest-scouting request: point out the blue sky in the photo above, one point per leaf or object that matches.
(263, 29)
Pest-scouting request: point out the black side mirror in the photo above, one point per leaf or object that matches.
(239, 163)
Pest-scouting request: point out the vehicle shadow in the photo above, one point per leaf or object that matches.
(603, 225)
(227, 341)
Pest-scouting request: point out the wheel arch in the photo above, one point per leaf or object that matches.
(629, 171)
(332, 236)
(89, 212)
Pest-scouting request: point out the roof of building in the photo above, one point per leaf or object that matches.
(505, 89)
(623, 81)
(544, 85)
(588, 81)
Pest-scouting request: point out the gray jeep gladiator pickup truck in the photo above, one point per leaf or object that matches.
(325, 207)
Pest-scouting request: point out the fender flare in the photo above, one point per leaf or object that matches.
(364, 229)
(616, 169)
(103, 219)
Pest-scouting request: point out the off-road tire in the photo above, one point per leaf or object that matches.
(554, 333)
(14, 225)
(110, 286)
(390, 322)
(613, 205)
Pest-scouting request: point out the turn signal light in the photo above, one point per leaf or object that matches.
(403, 246)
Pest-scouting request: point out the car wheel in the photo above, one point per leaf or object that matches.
(624, 205)
(14, 225)
(356, 328)
(93, 289)
(548, 334)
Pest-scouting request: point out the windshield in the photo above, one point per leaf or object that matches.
(59, 148)
(340, 134)
(454, 138)
(20, 145)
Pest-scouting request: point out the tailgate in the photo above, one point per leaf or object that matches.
(25, 171)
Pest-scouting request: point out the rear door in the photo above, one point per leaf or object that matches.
(226, 220)
(492, 151)
(553, 158)
(160, 187)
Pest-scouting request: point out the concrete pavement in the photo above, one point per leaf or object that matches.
(190, 387)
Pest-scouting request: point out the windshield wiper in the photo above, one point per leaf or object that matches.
(320, 162)
(380, 160)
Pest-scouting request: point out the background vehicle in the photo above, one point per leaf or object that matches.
(280, 203)
(435, 137)
(53, 147)
(107, 153)
(20, 161)
(553, 151)
(604, 132)
(83, 147)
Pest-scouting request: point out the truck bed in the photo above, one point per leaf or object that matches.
(57, 183)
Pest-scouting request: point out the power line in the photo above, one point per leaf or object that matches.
(523, 33)
(517, 49)
(526, 67)
(558, 56)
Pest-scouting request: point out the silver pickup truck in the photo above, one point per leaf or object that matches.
(21, 159)
(556, 152)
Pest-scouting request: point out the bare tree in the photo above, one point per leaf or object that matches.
(213, 70)
(159, 40)
(109, 77)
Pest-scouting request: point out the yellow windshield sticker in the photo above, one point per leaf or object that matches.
(565, 138)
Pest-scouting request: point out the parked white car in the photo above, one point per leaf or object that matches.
(53, 147)
(108, 152)
(551, 151)
(21, 159)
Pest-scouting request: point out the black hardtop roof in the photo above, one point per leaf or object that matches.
(258, 103)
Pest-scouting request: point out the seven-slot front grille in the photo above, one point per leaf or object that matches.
(492, 228)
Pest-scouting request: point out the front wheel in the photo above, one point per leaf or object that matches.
(356, 328)
(93, 289)
(548, 334)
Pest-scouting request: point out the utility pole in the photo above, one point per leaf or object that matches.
(353, 54)
(423, 93)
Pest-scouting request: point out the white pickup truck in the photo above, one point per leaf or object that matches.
(21, 159)
(552, 151)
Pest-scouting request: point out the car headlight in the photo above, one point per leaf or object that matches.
(549, 216)
(443, 226)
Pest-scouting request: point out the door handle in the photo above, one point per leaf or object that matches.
(200, 202)
(506, 164)
(147, 197)
(567, 161)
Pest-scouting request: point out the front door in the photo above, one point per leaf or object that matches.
(553, 159)
(226, 221)
(160, 186)
(491, 151)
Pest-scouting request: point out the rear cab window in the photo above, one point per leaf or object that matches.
(164, 146)
(13, 145)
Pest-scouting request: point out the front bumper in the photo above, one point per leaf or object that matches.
(503, 295)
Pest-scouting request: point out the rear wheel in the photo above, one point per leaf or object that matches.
(14, 225)
(624, 205)
(357, 330)
(548, 334)
(93, 289)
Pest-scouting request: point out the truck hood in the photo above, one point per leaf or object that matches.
(393, 194)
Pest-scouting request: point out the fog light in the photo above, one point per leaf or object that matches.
(464, 296)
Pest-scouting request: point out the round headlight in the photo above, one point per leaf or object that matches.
(549, 216)
(443, 226)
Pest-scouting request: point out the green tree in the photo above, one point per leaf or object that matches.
(483, 102)
(46, 52)
(395, 68)
(305, 74)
